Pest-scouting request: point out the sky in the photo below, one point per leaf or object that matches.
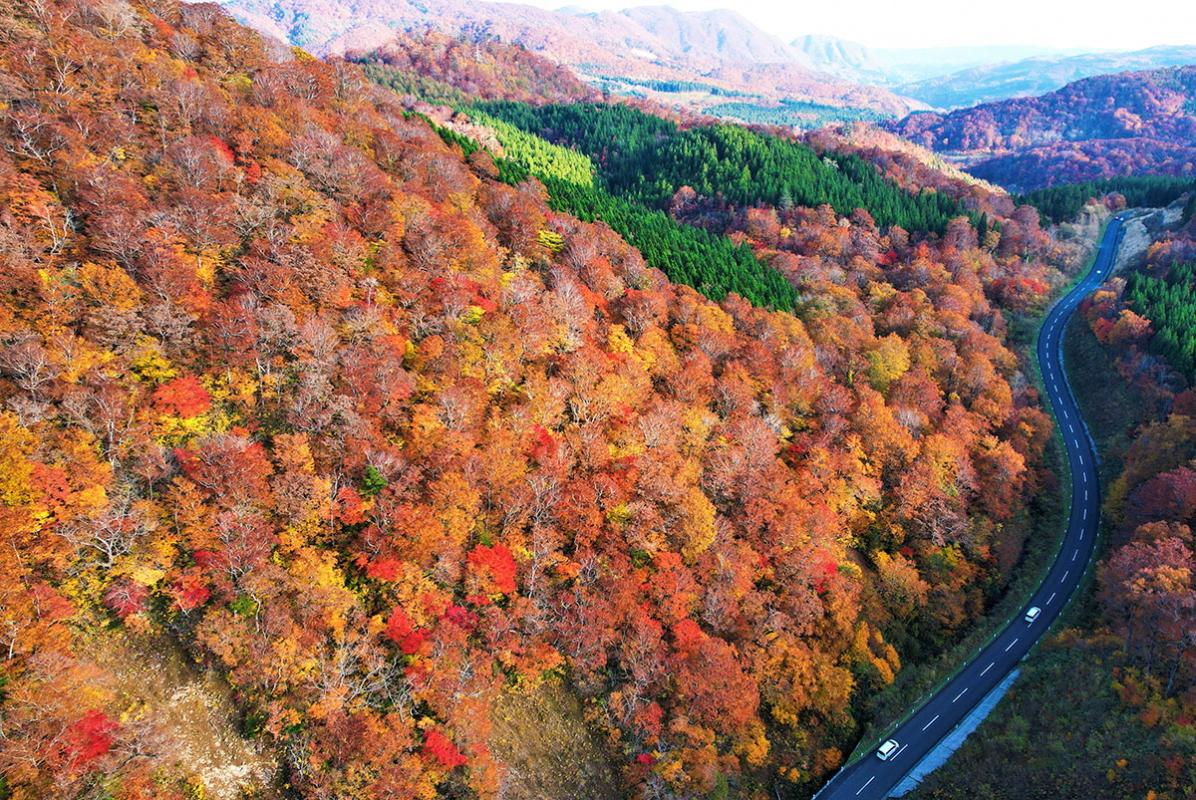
(1063, 24)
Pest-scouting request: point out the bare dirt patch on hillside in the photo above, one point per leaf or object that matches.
(186, 713)
(540, 735)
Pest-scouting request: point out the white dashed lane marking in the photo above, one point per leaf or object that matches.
(982, 674)
(961, 694)
(936, 719)
(1009, 646)
(865, 786)
(1051, 599)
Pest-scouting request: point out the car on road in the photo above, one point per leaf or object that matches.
(1033, 613)
(887, 750)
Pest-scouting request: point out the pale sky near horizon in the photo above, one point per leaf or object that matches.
(935, 23)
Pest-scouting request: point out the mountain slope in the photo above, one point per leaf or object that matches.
(1037, 75)
(450, 69)
(848, 60)
(723, 34)
(334, 398)
(646, 44)
(1093, 128)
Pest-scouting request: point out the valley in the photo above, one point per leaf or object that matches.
(464, 401)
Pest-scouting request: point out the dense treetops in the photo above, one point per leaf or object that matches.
(1169, 303)
(306, 384)
(792, 113)
(1077, 162)
(650, 159)
(451, 69)
(708, 261)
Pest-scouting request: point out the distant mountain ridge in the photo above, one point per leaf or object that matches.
(721, 32)
(893, 67)
(957, 77)
(842, 58)
(653, 42)
(1092, 128)
(1037, 75)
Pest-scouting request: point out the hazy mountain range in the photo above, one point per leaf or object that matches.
(1036, 75)
(699, 59)
(955, 77)
(1130, 122)
(895, 66)
(713, 53)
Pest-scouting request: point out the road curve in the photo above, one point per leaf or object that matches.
(870, 778)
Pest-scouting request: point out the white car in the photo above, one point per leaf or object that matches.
(1033, 613)
(887, 750)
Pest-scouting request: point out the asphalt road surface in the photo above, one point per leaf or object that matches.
(871, 778)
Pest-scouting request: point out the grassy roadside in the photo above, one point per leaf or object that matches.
(913, 686)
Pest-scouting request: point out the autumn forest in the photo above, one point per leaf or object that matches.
(393, 391)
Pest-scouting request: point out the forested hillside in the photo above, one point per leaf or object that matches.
(1083, 161)
(431, 62)
(706, 260)
(1104, 126)
(688, 58)
(1169, 302)
(650, 159)
(334, 400)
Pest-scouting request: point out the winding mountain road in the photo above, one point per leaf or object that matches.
(871, 778)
